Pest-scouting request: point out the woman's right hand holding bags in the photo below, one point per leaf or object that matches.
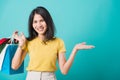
(20, 38)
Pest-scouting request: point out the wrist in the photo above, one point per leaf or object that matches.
(22, 46)
(75, 50)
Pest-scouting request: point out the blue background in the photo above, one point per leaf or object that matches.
(95, 21)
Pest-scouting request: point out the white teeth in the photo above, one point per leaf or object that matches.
(41, 28)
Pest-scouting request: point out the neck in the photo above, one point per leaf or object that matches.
(42, 37)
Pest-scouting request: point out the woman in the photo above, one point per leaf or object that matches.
(43, 47)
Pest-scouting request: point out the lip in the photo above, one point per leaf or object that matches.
(40, 29)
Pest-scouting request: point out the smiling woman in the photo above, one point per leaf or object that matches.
(43, 57)
(42, 22)
(39, 24)
(94, 21)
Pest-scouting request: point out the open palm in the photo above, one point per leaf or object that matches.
(83, 46)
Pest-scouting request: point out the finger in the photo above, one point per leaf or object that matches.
(21, 33)
(90, 46)
(15, 35)
(15, 32)
(23, 36)
(83, 43)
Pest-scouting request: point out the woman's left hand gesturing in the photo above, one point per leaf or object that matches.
(82, 46)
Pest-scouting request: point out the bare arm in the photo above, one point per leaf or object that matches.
(20, 53)
(18, 58)
(65, 65)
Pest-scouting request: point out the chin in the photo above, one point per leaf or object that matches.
(41, 33)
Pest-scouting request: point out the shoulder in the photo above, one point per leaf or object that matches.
(59, 39)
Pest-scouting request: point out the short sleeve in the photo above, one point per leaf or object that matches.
(61, 46)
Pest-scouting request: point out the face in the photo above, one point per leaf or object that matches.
(39, 24)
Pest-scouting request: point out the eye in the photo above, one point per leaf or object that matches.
(34, 21)
(41, 20)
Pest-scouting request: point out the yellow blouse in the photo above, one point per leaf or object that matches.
(43, 57)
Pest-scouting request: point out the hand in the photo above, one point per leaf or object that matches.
(21, 38)
(83, 46)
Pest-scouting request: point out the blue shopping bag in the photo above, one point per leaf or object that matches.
(6, 65)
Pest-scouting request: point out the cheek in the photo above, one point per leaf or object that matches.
(34, 27)
(45, 26)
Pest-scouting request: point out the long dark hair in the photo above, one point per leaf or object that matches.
(49, 34)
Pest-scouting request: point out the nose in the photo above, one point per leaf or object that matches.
(39, 24)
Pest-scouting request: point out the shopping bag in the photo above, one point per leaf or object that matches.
(2, 54)
(4, 40)
(6, 64)
(2, 47)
